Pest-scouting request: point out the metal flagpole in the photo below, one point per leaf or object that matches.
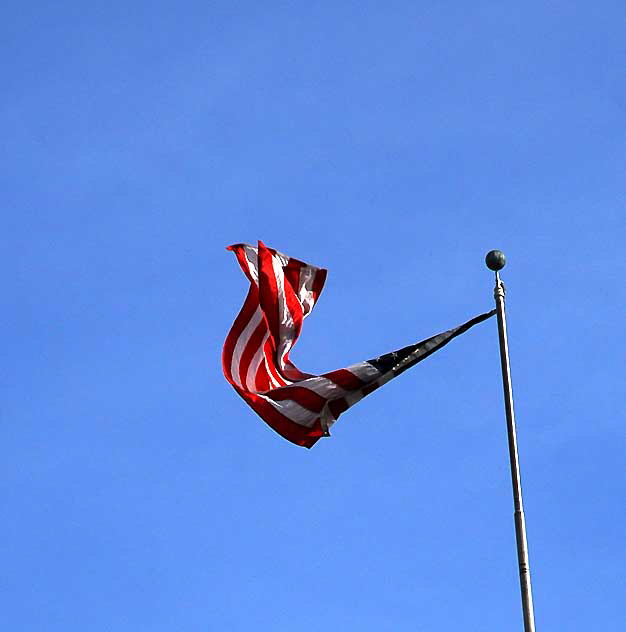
(495, 261)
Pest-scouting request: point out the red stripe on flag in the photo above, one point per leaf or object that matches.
(262, 378)
(370, 388)
(318, 282)
(299, 394)
(338, 406)
(292, 273)
(268, 293)
(239, 251)
(346, 379)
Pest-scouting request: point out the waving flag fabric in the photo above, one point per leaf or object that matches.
(300, 406)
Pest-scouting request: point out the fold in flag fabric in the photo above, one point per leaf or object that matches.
(299, 406)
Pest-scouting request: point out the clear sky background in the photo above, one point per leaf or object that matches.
(395, 144)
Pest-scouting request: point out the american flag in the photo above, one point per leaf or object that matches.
(300, 406)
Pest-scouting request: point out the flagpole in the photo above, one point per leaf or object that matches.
(495, 261)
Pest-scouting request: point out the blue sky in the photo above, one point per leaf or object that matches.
(394, 144)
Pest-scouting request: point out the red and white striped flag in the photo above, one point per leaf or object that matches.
(299, 406)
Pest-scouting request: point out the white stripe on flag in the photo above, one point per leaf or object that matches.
(292, 410)
(284, 315)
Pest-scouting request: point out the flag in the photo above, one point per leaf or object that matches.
(300, 406)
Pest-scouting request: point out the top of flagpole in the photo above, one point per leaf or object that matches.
(495, 260)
